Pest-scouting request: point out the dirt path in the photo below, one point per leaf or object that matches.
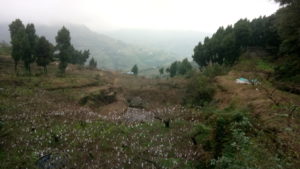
(242, 95)
(260, 98)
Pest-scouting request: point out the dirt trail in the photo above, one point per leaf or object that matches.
(229, 92)
(257, 97)
(152, 93)
(261, 100)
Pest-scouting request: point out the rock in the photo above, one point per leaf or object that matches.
(52, 161)
(137, 102)
(137, 115)
(101, 98)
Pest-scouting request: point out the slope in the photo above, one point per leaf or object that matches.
(110, 53)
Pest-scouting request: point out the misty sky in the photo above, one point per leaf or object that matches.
(199, 15)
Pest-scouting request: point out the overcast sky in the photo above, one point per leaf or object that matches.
(199, 15)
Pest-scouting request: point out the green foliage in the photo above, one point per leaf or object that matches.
(234, 143)
(79, 57)
(93, 63)
(135, 70)
(199, 91)
(173, 68)
(225, 46)
(161, 71)
(286, 2)
(19, 41)
(23, 42)
(44, 52)
(242, 32)
(67, 53)
(63, 45)
(29, 57)
(180, 68)
(215, 70)
(184, 67)
(288, 25)
(289, 71)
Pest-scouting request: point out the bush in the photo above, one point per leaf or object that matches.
(215, 70)
(199, 91)
(234, 142)
(289, 71)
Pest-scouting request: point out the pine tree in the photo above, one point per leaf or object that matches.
(18, 40)
(64, 47)
(135, 70)
(184, 67)
(44, 52)
(161, 71)
(93, 63)
(29, 56)
(173, 68)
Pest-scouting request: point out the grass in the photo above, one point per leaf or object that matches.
(36, 121)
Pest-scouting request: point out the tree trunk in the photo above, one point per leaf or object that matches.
(16, 67)
(29, 69)
(45, 69)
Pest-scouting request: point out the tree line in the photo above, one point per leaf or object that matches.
(225, 46)
(278, 34)
(179, 68)
(28, 47)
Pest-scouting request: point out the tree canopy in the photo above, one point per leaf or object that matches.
(135, 69)
(19, 41)
(278, 34)
(180, 68)
(44, 52)
(225, 46)
(63, 45)
(93, 63)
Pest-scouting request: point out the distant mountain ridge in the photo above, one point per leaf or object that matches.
(179, 43)
(109, 53)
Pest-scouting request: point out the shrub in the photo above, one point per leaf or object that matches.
(215, 70)
(199, 91)
(289, 71)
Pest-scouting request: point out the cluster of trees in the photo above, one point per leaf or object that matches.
(93, 63)
(278, 34)
(179, 68)
(161, 71)
(135, 70)
(30, 48)
(288, 26)
(225, 46)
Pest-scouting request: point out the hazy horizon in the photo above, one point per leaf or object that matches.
(171, 15)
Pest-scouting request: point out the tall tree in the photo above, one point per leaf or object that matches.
(161, 71)
(135, 69)
(63, 41)
(93, 63)
(44, 52)
(19, 41)
(29, 56)
(184, 67)
(173, 68)
(288, 25)
(242, 32)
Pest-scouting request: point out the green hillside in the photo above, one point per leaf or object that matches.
(109, 53)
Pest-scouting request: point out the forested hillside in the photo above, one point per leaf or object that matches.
(110, 53)
(277, 34)
(178, 43)
(237, 106)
